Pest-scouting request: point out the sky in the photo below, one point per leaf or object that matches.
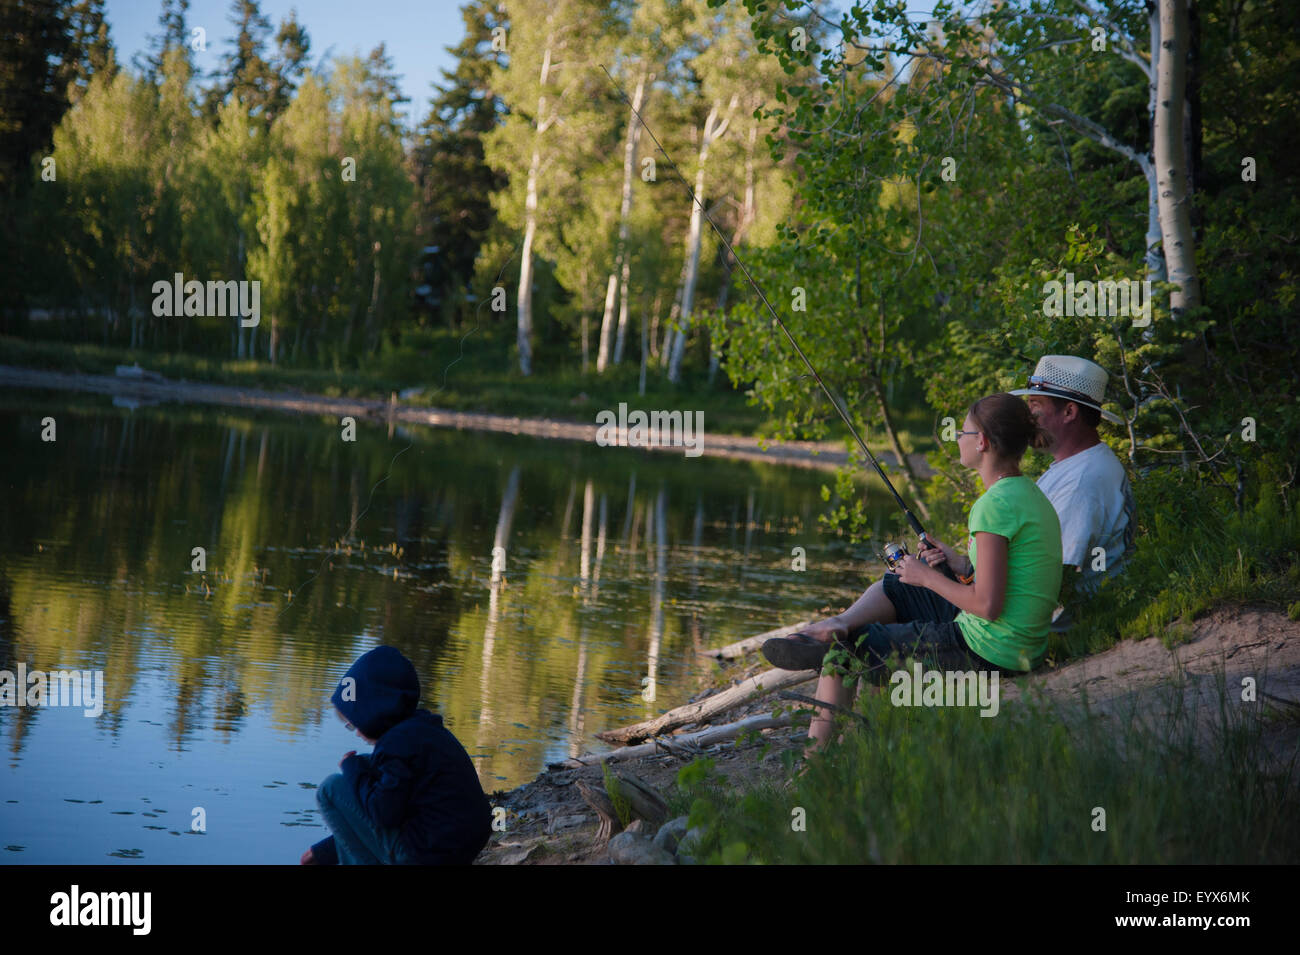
(416, 34)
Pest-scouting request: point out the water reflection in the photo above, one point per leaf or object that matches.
(544, 591)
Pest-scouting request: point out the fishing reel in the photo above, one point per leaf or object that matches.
(893, 555)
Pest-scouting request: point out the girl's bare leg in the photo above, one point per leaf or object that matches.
(872, 607)
(830, 689)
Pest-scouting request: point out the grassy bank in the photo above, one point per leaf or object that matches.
(1195, 551)
(930, 785)
(945, 785)
(472, 371)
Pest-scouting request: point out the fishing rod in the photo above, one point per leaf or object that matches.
(907, 511)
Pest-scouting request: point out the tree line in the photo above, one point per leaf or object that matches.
(529, 176)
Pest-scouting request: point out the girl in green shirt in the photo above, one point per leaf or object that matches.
(1000, 619)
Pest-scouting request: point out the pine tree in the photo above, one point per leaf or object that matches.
(245, 75)
(93, 50)
(455, 181)
(175, 35)
(36, 47)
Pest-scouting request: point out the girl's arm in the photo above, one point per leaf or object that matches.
(983, 598)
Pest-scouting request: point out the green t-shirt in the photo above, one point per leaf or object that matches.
(1016, 509)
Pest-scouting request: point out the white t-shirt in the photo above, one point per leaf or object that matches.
(1091, 493)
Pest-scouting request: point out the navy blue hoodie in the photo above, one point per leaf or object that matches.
(418, 779)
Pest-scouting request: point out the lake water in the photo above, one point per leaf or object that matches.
(612, 568)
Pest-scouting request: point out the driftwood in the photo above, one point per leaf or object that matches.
(683, 746)
(642, 798)
(734, 651)
(643, 802)
(599, 800)
(701, 710)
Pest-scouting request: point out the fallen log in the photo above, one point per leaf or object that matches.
(699, 711)
(682, 745)
(642, 799)
(734, 651)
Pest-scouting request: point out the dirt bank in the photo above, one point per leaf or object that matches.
(550, 823)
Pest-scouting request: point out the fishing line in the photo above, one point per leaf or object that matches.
(907, 512)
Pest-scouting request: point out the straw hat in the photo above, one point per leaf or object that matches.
(1074, 379)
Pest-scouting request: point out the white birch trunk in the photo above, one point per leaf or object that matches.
(1155, 256)
(1171, 159)
(623, 309)
(695, 235)
(620, 268)
(525, 297)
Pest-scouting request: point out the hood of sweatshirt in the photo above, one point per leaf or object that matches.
(379, 691)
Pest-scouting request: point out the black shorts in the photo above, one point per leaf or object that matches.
(925, 630)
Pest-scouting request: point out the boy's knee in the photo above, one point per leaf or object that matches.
(328, 791)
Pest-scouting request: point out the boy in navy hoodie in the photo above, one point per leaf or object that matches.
(416, 799)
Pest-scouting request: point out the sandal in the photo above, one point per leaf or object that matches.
(798, 651)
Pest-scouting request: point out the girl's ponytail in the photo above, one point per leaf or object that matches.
(1008, 424)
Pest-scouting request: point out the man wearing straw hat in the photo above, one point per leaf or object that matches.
(1085, 482)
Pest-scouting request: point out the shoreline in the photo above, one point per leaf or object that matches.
(551, 822)
(818, 455)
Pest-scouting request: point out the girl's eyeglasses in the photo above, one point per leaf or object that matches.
(960, 433)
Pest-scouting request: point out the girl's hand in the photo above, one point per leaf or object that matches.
(916, 572)
(307, 858)
(935, 554)
(940, 553)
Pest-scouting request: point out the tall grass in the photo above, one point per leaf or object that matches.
(1181, 780)
(1034, 784)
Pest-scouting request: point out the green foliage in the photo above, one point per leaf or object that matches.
(911, 272)
(1194, 551)
(922, 279)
